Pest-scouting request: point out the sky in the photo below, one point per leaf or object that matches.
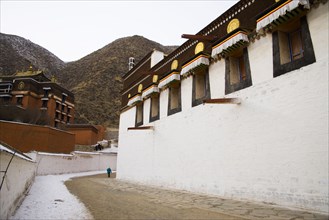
(74, 29)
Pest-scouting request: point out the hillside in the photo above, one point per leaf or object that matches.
(18, 54)
(94, 79)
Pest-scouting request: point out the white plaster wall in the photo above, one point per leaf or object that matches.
(217, 79)
(271, 148)
(261, 56)
(186, 93)
(17, 182)
(146, 111)
(164, 95)
(74, 163)
(156, 57)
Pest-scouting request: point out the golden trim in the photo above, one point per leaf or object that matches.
(20, 92)
(199, 48)
(21, 85)
(134, 97)
(274, 10)
(234, 24)
(169, 76)
(174, 65)
(201, 55)
(140, 88)
(155, 78)
(148, 88)
(239, 32)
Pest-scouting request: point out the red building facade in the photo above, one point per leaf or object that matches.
(31, 97)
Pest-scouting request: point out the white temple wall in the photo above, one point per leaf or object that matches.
(271, 148)
(17, 182)
(261, 59)
(186, 93)
(163, 104)
(217, 79)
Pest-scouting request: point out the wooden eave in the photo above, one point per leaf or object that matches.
(270, 8)
(244, 10)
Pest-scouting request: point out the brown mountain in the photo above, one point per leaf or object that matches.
(94, 79)
(18, 54)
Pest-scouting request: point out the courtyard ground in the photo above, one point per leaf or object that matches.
(48, 198)
(109, 198)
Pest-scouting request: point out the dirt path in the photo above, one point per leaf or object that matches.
(106, 198)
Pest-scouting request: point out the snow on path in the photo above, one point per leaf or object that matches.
(49, 198)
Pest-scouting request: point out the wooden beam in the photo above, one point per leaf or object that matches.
(223, 101)
(141, 128)
(199, 37)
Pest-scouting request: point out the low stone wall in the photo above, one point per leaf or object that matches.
(73, 163)
(18, 179)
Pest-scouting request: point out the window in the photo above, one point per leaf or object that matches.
(44, 103)
(155, 108)
(68, 110)
(174, 103)
(57, 106)
(56, 124)
(292, 47)
(63, 108)
(19, 100)
(5, 100)
(46, 93)
(201, 88)
(64, 97)
(139, 115)
(57, 115)
(237, 71)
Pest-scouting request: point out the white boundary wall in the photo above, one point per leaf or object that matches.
(19, 178)
(21, 172)
(49, 163)
(271, 148)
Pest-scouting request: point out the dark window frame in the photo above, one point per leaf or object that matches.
(307, 59)
(155, 98)
(171, 110)
(44, 104)
(19, 101)
(230, 88)
(198, 101)
(138, 106)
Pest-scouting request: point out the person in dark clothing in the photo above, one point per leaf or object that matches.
(109, 171)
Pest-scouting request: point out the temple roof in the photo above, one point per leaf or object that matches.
(30, 72)
(37, 75)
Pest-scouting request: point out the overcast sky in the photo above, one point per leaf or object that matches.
(73, 29)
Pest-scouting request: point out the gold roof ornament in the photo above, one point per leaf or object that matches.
(174, 65)
(21, 85)
(155, 78)
(234, 24)
(199, 48)
(129, 95)
(140, 88)
(53, 79)
(29, 72)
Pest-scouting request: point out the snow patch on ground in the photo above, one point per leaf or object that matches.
(49, 198)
